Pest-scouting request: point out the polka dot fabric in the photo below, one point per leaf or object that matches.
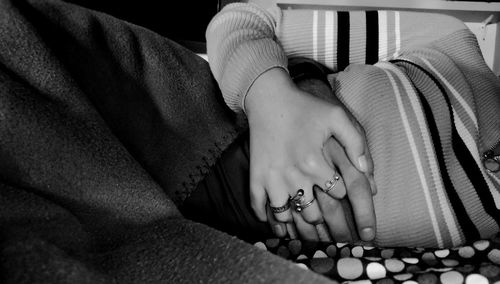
(478, 262)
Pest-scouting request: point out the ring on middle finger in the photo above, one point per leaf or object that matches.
(299, 202)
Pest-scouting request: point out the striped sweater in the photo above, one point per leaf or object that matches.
(418, 85)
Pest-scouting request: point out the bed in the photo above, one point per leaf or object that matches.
(478, 262)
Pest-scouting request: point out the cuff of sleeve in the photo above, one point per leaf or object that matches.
(247, 63)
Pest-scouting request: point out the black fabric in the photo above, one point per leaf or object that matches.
(103, 124)
(182, 21)
(343, 32)
(371, 37)
(222, 199)
(301, 68)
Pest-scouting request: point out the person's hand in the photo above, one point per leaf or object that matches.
(337, 217)
(288, 129)
(357, 183)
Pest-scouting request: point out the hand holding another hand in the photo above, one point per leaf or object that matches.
(290, 157)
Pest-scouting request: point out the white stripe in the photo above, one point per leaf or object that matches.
(397, 30)
(454, 92)
(416, 157)
(357, 38)
(470, 142)
(431, 155)
(382, 38)
(315, 35)
(329, 39)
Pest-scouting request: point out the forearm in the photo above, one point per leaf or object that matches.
(240, 47)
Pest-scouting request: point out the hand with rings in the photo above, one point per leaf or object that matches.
(290, 171)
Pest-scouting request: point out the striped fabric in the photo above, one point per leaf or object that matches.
(418, 85)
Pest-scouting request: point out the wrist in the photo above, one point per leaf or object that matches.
(271, 89)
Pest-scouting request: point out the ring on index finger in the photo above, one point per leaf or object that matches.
(330, 184)
(299, 202)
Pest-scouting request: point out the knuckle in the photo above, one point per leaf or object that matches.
(292, 172)
(310, 163)
(272, 172)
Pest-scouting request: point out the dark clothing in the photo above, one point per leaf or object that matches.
(180, 21)
(222, 199)
(104, 128)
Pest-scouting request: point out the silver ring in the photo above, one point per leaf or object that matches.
(280, 209)
(298, 201)
(330, 184)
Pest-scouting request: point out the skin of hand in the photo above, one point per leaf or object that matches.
(288, 131)
(356, 182)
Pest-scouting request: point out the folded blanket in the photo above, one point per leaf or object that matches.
(103, 125)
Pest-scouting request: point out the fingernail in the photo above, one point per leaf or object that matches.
(279, 230)
(292, 233)
(363, 163)
(367, 234)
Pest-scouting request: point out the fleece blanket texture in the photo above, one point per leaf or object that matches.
(105, 127)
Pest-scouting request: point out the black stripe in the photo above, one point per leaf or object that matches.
(472, 170)
(371, 37)
(343, 29)
(469, 230)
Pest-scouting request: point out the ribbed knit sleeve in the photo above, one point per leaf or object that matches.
(418, 85)
(240, 46)
(245, 40)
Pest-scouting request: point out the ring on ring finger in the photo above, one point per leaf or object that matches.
(280, 209)
(299, 202)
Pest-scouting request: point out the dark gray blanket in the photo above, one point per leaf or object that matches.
(104, 128)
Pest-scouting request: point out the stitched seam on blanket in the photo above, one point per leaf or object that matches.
(203, 166)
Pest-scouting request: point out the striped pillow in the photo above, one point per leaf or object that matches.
(426, 132)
